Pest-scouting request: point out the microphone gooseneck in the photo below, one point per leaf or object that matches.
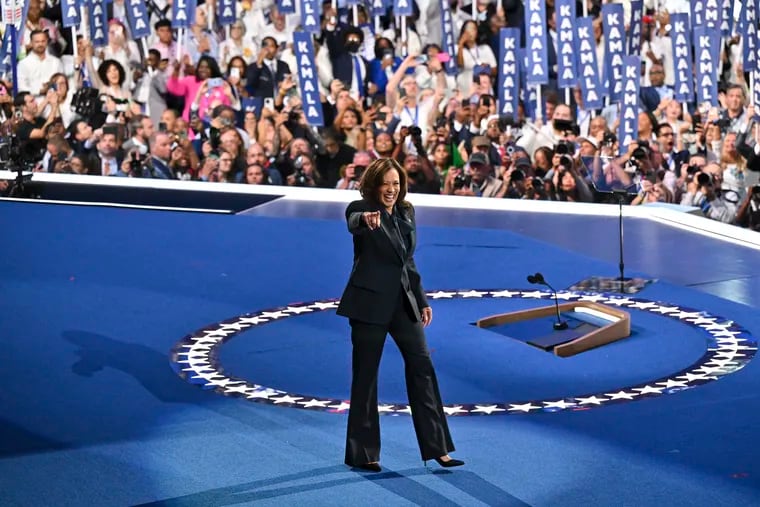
(538, 278)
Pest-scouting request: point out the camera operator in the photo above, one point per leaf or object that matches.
(476, 179)
(704, 191)
(352, 172)
(548, 135)
(749, 211)
(31, 131)
(422, 177)
(304, 174)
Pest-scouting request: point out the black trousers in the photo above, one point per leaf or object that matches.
(363, 434)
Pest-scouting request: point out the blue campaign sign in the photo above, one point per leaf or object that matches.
(681, 37)
(711, 13)
(5, 53)
(138, 19)
(756, 98)
(284, 6)
(707, 58)
(613, 23)
(535, 42)
(70, 13)
(749, 35)
(697, 13)
(377, 8)
(183, 13)
(98, 23)
(310, 16)
(227, 11)
(403, 8)
(727, 18)
(509, 70)
(528, 95)
(566, 66)
(588, 75)
(628, 128)
(634, 33)
(449, 46)
(307, 78)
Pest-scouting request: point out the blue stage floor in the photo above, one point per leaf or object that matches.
(93, 412)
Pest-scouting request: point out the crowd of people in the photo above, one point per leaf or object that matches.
(224, 104)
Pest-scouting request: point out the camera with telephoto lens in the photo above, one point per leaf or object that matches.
(415, 132)
(642, 150)
(358, 171)
(136, 165)
(609, 139)
(301, 178)
(564, 148)
(704, 180)
(462, 180)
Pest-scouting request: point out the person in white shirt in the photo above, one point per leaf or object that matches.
(36, 69)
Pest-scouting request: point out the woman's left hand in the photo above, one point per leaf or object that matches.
(427, 316)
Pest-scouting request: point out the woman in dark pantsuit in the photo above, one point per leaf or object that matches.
(384, 295)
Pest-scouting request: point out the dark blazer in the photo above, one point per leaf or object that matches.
(261, 83)
(382, 265)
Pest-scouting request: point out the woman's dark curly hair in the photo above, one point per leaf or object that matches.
(103, 71)
(213, 66)
(373, 177)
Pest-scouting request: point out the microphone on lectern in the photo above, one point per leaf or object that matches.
(538, 279)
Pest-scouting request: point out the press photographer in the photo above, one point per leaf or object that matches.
(476, 179)
(422, 177)
(704, 190)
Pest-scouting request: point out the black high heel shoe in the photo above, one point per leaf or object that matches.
(450, 463)
(369, 467)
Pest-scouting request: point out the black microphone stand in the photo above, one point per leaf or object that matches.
(538, 278)
(621, 196)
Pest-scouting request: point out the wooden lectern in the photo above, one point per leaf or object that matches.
(594, 325)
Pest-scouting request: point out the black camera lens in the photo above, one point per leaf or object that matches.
(358, 171)
(704, 179)
(415, 131)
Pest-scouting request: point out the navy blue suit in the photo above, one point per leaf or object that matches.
(385, 295)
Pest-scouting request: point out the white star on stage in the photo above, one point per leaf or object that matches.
(341, 407)
(731, 335)
(691, 377)
(242, 389)
(472, 294)
(621, 395)
(219, 332)
(730, 354)
(254, 320)
(537, 294)
(504, 294)
(665, 309)
(225, 382)
(685, 315)
(237, 326)
(488, 409)
(524, 407)
(644, 305)
(287, 399)
(702, 320)
(717, 327)
(208, 378)
(263, 393)
(314, 403)
(203, 346)
(619, 301)
(297, 310)
(647, 389)
(561, 404)
(707, 370)
(193, 354)
(273, 315)
(591, 400)
(406, 410)
(457, 409)
(567, 296)
(670, 383)
(199, 369)
(593, 298)
(324, 305)
(441, 295)
(385, 408)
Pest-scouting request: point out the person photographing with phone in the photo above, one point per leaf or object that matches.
(384, 295)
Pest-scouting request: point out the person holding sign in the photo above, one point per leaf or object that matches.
(474, 56)
(385, 295)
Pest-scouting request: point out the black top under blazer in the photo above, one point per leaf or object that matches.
(383, 265)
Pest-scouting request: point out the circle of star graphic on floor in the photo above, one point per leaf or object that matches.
(729, 348)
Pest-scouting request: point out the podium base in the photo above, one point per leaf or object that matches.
(612, 284)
